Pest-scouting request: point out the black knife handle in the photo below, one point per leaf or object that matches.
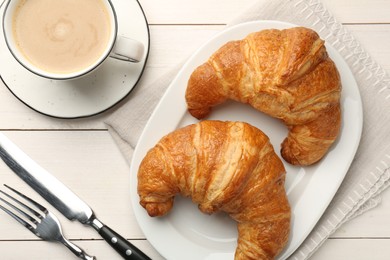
(121, 245)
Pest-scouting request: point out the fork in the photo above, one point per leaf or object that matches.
(45, 224)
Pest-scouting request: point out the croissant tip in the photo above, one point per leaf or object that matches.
(292, 159)
(156, 209)
(199, 113)
(287, 154)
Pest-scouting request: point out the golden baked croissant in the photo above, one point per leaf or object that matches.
(222, 166)
(284, 73)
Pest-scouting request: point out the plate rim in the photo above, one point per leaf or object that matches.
(184, 67)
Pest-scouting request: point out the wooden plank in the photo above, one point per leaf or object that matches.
(335, 249)
(192, 12)
(49, 250)
(89, 163)
(356, 249)
(172, 44)
(204, 11)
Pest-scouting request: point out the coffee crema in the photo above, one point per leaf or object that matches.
(61, 36)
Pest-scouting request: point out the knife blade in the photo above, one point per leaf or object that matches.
(62, 198)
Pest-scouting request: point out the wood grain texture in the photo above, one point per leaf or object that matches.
(203, 11)
(82, 154)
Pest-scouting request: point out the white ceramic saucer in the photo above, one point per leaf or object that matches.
(91, 94)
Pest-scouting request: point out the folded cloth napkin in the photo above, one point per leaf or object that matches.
(369, 173)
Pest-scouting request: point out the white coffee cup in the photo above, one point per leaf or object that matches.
(118, 47)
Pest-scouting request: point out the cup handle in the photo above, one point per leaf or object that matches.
(127, 49)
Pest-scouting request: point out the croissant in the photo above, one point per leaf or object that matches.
(286, 74)
(222, 166)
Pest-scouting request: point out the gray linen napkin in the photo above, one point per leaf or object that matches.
(369, 173)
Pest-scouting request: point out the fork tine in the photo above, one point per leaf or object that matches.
(36, 204)
(37, 214)
(17, 218)
(33, 220)
(48, 229)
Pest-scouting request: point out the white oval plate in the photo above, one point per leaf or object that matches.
(186, 233)
(91, 94)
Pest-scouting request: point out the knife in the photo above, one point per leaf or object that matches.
(62, 198)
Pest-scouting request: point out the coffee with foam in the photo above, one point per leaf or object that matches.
(61, 36)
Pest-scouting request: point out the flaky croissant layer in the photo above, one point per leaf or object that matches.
(222, 166)
(284, 73)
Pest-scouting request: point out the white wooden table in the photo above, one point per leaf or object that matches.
(82, 154)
